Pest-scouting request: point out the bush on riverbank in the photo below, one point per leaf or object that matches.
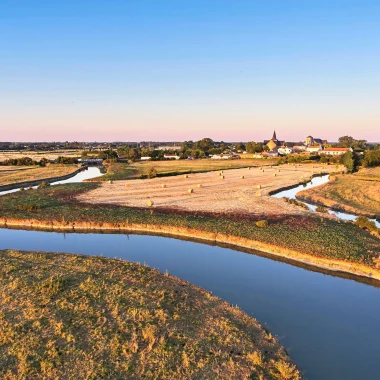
(79, 317)
(295, 202)
(366, 224)
(262, 223)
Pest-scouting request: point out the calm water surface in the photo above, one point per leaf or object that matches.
(330, 325)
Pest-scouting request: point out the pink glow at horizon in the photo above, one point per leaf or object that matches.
(219, 126)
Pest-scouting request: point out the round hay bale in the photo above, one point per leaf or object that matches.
(199, 186)
(186, 176)
(163, 185)
(258, 194)
(278, 170)
(249, 168)
(274, 175)
(242, 177)
(150, 203)
(110, 182)
(190, 191)
(258, 187)
(222, 177)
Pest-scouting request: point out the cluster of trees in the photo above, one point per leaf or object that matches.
(371, 157)
(350, 142)
(349, 160)
(66, 160)
(254, 147)
(27, 161)
(23, 161)
(196, 149)
(108, 154)
(370, 153)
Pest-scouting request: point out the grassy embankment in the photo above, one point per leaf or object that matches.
(357, 193)
(122, 171)
(322, 238)
(74, 316)
(17, 174)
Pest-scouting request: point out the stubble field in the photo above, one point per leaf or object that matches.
(238, 190)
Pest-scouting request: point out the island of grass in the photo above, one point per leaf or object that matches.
(149, 169)
(74, 316)
(10, 175)
(357, 193)
(316, 240)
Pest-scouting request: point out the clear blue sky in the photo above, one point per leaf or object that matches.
(176, 70)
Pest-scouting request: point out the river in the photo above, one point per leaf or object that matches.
(316, 181)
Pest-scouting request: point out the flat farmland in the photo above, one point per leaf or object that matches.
(38, 155)
(16, 174)
(219, 192)
(120, 171)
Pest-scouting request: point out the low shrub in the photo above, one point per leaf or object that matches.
(364, 223)
(151, 172)
(262, 223)
(322, 209)
(42, 185)
(28, 207)
(295, 202)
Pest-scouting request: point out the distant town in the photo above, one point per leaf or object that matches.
(174, 150)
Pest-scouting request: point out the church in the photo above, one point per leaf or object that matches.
(273, 144)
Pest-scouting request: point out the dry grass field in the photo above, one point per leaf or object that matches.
(179, 166)
(120, 171)
(51, 155)
(16, 174)
(357, 193)
(68, 316)
(217, 192)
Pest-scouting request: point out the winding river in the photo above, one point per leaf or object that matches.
(89, 173)
(316, 181)
(330, 325)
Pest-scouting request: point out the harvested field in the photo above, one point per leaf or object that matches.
(357, 193)
(38, 155)
(68, 316)
(120, 171)
(16, 174)
(219, 192)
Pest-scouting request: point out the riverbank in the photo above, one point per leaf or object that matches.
(357, 193)
(23, 178)
(79, 316)
(332, 265)
(310, 238)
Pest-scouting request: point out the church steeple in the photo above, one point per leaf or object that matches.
(274, 136)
